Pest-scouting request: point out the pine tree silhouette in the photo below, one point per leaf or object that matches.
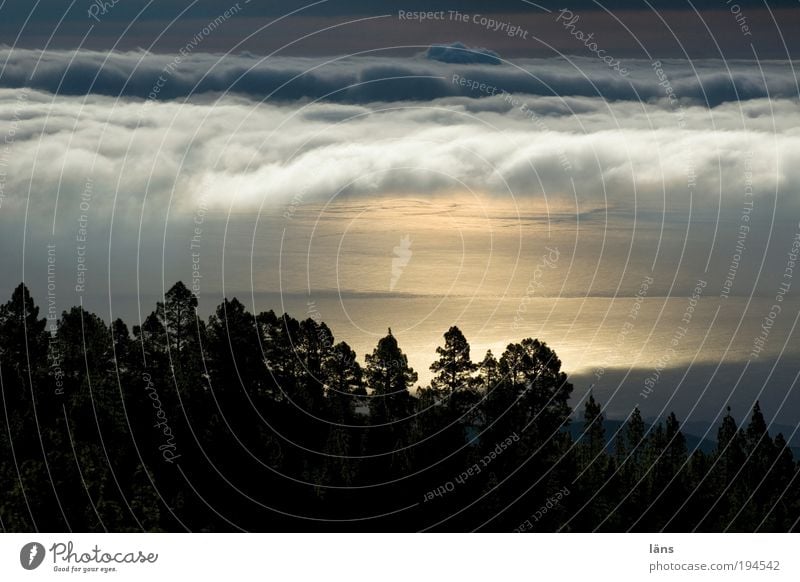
(258, 421)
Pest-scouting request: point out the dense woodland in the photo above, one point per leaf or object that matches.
(261, 422)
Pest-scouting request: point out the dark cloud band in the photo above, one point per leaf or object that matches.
(385, 79)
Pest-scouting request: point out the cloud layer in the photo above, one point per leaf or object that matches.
(371, 78)
(450, 128)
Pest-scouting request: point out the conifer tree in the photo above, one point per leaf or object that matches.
(727, 479)
(454, 368)
(593, 466)
(488, 373)
(389, 377)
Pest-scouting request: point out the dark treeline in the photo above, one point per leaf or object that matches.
(265, 423)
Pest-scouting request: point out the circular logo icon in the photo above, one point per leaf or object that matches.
(31, 555)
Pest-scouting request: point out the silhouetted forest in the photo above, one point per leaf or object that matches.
(261, 422)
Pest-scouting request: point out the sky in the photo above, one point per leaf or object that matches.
(636, 208)
(633, 28)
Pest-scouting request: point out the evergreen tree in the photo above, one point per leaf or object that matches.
(728, 459)
(23, 343)
(631, 469)
(344, 382)
(593, 464)
(675, 471)
(760, 455)
(594, 433)
(759, 447)
(785, 500)
(635, 444)
(454, 368)
(179, 313)
(530, 403)
(488, 373)
(389, 377)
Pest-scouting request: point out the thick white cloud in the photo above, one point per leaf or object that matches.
(244, 153)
